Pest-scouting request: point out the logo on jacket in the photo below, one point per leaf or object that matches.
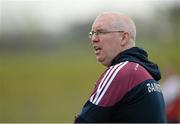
(153, 87)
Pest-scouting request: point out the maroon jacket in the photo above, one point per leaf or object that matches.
(128, 91)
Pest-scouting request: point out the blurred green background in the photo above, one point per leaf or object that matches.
(47, 77)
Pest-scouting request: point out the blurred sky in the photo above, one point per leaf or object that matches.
(48, 15)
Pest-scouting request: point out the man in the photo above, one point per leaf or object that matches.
(128, 90)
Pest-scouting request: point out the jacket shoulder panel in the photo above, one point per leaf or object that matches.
(116, 82)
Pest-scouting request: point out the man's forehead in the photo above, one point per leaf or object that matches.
(101, 23)
(98, 25)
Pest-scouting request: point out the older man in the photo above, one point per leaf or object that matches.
(128, 90)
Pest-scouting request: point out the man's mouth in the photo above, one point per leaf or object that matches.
(97, 49)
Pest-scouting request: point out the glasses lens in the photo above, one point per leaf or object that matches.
(90, 34)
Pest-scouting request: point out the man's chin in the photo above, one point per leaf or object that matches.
(103, 62)
(100, 59)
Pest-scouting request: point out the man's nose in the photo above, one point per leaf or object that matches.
(95, 38)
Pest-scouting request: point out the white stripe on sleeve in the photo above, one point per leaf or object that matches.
(104, 82)
(109, 82)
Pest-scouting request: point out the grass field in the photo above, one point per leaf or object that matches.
(41, 88)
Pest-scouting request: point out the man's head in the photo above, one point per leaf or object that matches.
(111, 34)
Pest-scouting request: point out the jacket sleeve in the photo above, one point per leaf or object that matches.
(94, 113)
(79, 120)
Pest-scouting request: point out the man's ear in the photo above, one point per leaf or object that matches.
(124, 38)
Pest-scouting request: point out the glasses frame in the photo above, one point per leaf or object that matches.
(91, 33)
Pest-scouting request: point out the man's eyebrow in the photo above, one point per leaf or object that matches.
(99, 30)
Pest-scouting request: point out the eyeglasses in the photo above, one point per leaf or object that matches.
(99, 32)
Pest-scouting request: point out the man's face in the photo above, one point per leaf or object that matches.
(106, 45)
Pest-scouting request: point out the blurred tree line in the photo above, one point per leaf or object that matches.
(164, 26)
